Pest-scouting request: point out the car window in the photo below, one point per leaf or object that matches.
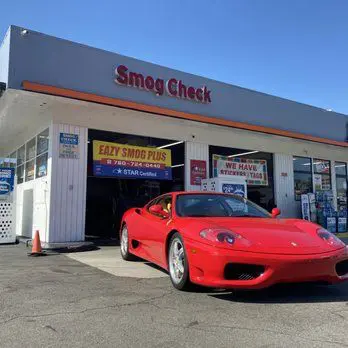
(217, 205)
(165, 202)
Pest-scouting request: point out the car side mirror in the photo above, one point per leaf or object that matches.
(158, 210)
(275, 212)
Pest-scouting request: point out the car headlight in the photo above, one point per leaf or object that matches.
(329, 237)
(221, 236)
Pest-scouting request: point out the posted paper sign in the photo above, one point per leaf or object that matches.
(198, 171)
(68, 145)
(318, 184)
(254, 170)
(6, 184)
(128, 161)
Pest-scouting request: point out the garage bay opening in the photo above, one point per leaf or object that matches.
(255, 166)
(127, 171)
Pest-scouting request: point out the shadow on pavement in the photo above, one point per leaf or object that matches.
(289, 293)
(103, 242)
(152, 265)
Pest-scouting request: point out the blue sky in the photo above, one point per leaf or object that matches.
(296, 49)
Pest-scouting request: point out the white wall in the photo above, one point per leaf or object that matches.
(34, 217)
(195, 151)
(68, 188)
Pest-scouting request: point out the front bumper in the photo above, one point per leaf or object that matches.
(207, 264)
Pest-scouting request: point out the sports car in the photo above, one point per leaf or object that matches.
(226, 241)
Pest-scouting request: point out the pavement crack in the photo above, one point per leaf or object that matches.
(119, 305)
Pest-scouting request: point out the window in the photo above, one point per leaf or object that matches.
(41, 165)
(13, 159)
(20, 164)
(30, 149)
(165, 202)
(302, 176)
(30, 153)
(341, 184)
(322, 175)
(30, 170)
(217, 205)
(21, 155)
(32, 158)
(42, 142)
(42, 153)
(20, 174)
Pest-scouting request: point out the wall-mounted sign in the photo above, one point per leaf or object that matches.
(198, 171)
(6, 184)
(254, 170)
(128, 161)
(237, 189)
(68, 145)
(172, 87)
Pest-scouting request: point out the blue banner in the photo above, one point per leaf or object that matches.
(69, 139)
(133, 173)
(6, 181)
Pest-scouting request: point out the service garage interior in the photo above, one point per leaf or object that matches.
(109, 197)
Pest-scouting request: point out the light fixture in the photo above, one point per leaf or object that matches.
(24, 32)
(243, 154)
(169, 145)
(178, 165)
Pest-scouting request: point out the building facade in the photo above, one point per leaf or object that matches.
(60, 98)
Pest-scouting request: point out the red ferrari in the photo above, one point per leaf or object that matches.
(225, 241)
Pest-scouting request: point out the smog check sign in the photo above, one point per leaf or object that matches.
(171, 87)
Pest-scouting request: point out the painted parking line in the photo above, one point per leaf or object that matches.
(108, 259)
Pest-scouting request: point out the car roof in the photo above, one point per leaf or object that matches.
(198, 193)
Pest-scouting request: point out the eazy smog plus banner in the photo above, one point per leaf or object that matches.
(128, 161)
(254, 170)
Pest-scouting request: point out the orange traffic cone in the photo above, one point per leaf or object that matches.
(36, 249)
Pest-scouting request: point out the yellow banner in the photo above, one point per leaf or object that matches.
(103, 150)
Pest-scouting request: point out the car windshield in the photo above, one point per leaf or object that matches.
(217, 205)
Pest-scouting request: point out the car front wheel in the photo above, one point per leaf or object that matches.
(177, 262)
(124, 245)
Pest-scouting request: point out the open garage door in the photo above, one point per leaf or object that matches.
(121, 177)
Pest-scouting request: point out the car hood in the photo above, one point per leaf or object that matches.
(278, 236)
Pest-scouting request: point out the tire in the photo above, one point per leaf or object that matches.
(124, 245)
(178, 264)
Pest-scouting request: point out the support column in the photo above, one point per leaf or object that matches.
(68, 188)
(284, 185)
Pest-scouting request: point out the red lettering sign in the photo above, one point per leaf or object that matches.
(172, 87)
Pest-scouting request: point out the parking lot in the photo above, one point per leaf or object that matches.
(57, 301)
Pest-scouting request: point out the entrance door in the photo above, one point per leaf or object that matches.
(28, 210)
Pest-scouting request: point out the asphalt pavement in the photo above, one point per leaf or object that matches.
(56, 301)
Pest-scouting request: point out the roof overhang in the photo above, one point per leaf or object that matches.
(56, 91)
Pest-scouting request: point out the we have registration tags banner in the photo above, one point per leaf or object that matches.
(128, 161)
(254, 170)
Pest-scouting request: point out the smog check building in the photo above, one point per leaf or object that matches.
(92, 133)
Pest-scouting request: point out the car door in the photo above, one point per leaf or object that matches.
(154, 230)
